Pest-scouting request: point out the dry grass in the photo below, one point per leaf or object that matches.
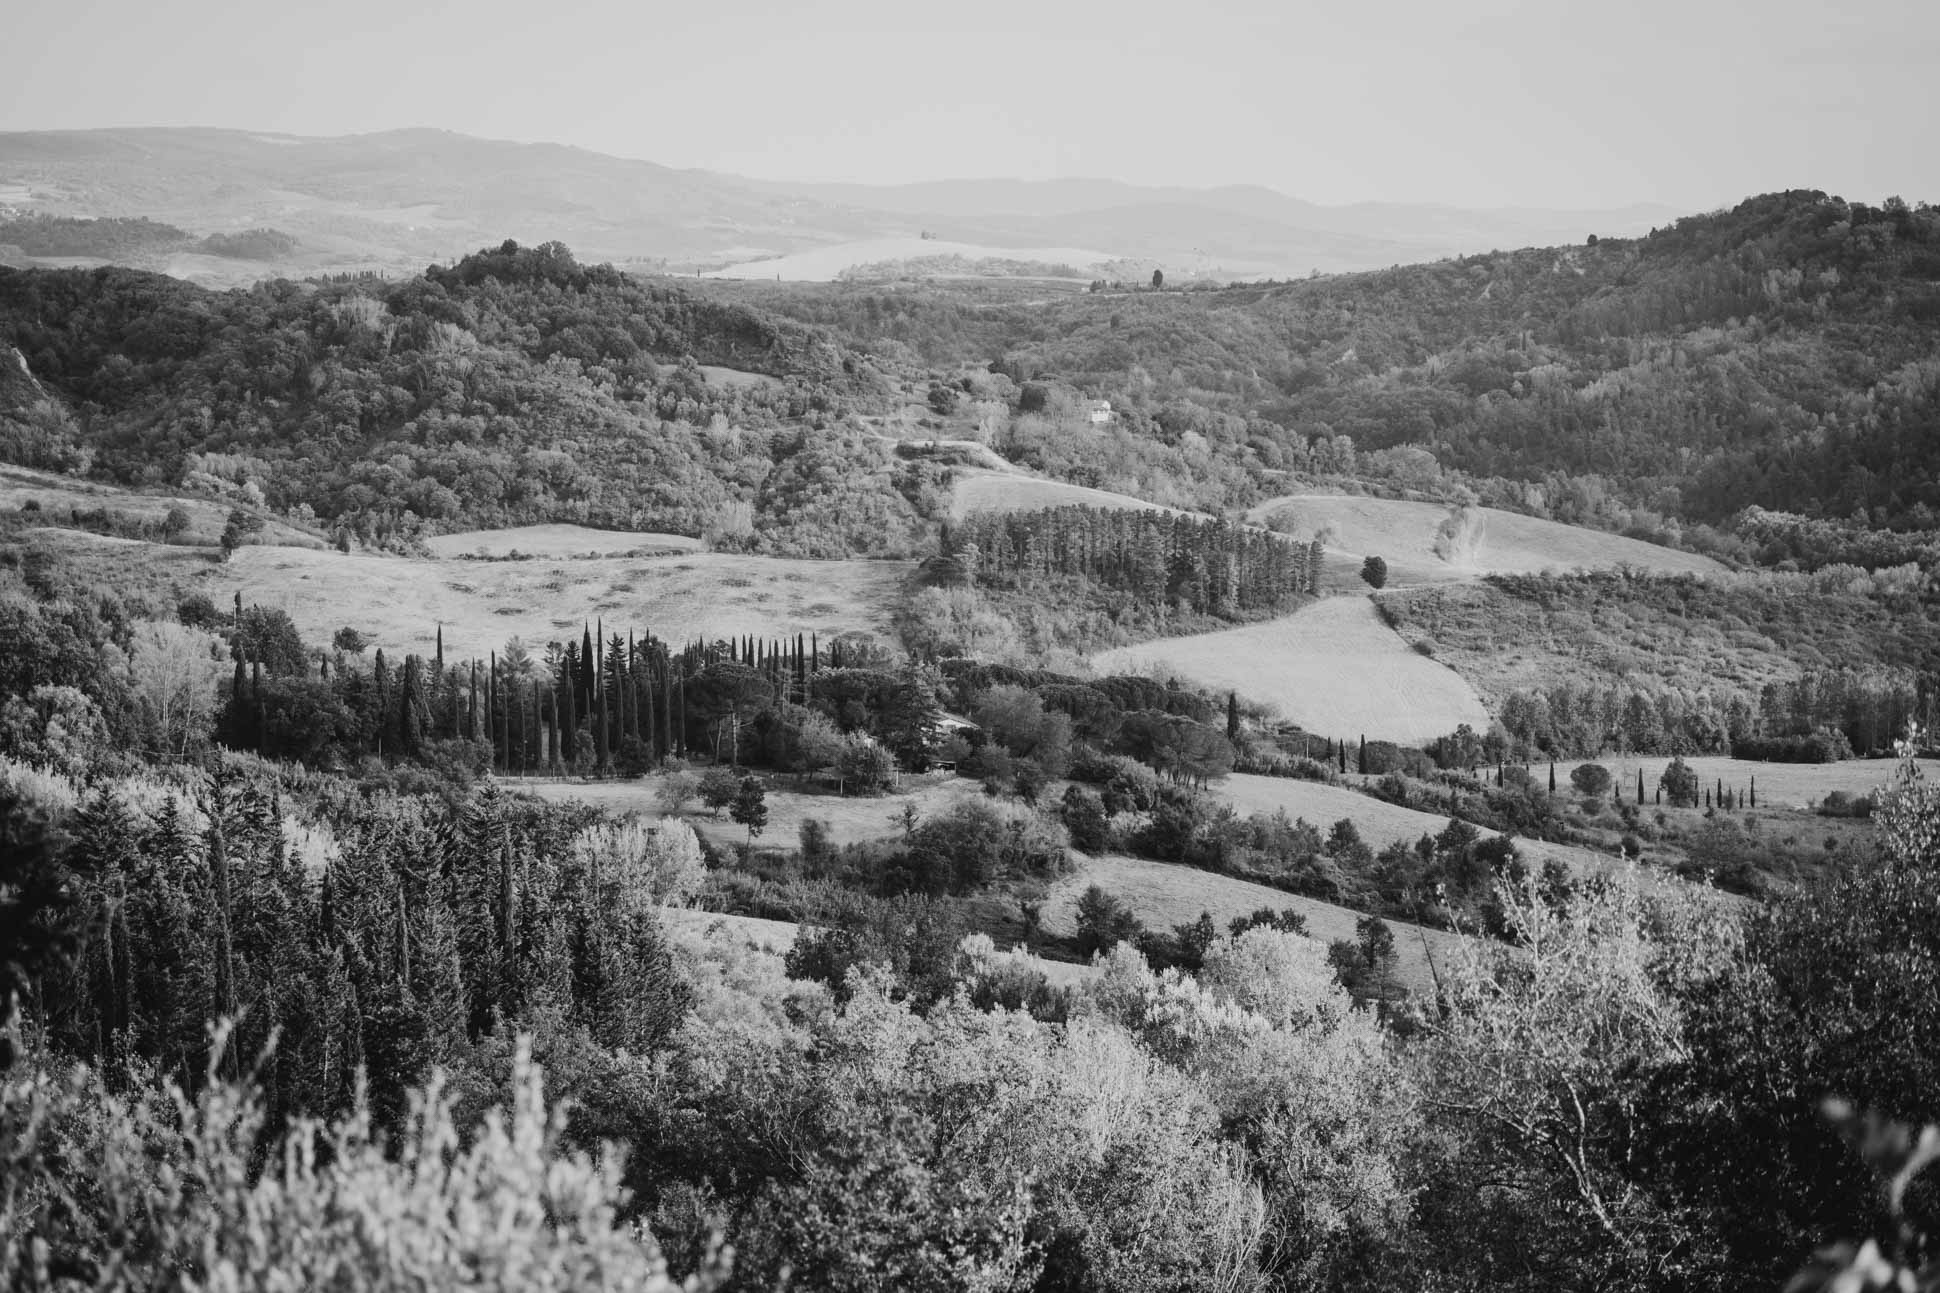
(1403, 534)
(1380, 823)
(1333, 667)
(1780, 785)
(559, 541)
(991, 491)
(850, 819)
(207, 516)
(398, 602)
(1163, 895)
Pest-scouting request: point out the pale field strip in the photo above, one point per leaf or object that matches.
(557, 541)
(1163, 894)
(399, 602)
(1780, 785)
(1333, 667)
(1402, 533)
(981, 490)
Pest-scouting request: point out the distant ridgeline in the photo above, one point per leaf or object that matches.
(1778, 354)
(121, 238)
(515, 386)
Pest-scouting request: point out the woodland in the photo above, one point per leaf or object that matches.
(304, 983)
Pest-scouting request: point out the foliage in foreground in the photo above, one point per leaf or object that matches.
(179, 1194)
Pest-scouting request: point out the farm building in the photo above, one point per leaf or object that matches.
(1101, 414)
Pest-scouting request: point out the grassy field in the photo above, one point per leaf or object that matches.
(207, 516)
(1780, 785)
(776, 937)
(825, 264)
(1163, 895)
(558, 541)
(850, 819)
(398, 602)
(991, 491)
(1379, 823)
(1333, 667)
(1403, 534)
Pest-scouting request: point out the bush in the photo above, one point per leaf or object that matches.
(137, 1188)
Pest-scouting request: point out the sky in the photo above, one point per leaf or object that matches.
(1484, 103)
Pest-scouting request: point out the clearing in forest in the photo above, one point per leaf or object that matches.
(1780, 785)
(851, 819)
(558, 541)
(1163, 895)
(1404, 535)
(398, 602)
(991, 491)
(1333, 667)
(1379, 822)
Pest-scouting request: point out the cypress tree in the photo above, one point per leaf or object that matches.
(1754, 792)
(1640, 787)
(1552, 776)
(1232, 717)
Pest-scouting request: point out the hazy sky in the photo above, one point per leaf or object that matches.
(1694, 103)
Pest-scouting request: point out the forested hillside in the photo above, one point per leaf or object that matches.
(511, 387)
(1778, 354)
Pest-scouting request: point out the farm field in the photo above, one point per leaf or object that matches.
(776, 937)
(1163, 895)
(850, 819)
(558, 541)
(1333, 667)
(1786, 785)
(991, 491)
(207, 516)
(1380, 823)
(398, 602)
(1403, 534)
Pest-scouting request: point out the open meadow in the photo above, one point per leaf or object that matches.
(1379, 822)
(1163, 894)
(21, 486)
(398, 602)
(1779, 785)
(1333, 667)
(979, 490)
(1403, 533)
(558, 541)
(851, 819)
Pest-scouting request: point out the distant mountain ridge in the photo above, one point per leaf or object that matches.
(399, 199)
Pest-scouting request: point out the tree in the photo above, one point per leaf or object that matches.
(1084, 816)
(718, 788)
(242, 527)
(1592, 780)
(1158, 280)
(173, 673)
(349, 641)
(1375, 571)
(750, 807)
(1679, 783)
(1104, 922)
(176, 523)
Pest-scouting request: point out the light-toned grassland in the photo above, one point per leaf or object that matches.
(207, 516)
(991, 491)
(398, 602)
(1780, 785)
(1403, 534)
(1380, 823)
(1333, 667)
(1163, 895)
(558, 541)
(850, 819)
(776, 937)
(736, 377)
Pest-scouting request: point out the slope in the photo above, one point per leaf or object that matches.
(1333, 667)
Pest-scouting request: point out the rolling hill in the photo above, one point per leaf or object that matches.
(397, 199)
(1335, 668)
